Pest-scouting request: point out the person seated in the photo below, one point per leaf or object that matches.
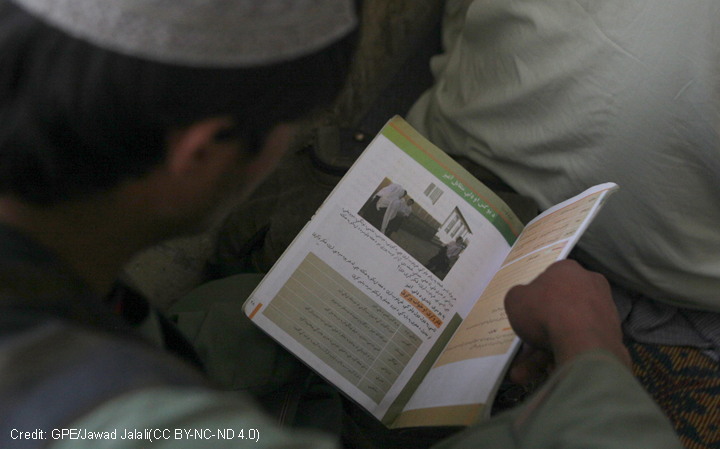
(126, 123)
(557, 96)
(440, 262)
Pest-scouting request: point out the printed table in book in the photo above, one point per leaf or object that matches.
(409, 323)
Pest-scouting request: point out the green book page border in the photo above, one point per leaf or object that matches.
(399, 404)
(451, 174)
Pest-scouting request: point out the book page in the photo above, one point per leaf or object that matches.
(363, 297)
(484, 342)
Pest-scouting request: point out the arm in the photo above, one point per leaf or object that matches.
(390, 213)
(592, 400)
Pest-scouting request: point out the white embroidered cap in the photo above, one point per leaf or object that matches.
(207, 33)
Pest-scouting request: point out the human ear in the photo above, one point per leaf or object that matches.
(196, 147)
(206, 175)
(274, 146)
(198, 171)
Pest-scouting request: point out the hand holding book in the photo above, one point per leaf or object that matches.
(408, 321)
(564, 312)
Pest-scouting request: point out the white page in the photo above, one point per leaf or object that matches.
(374, 290)
(484, 343)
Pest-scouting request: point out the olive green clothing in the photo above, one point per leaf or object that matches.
(107, 383)
(593, 401)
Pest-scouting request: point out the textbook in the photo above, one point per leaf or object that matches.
(394, 291)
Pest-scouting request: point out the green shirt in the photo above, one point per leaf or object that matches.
(592, 402)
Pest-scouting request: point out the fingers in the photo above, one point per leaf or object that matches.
(566, 310)
(531, 366)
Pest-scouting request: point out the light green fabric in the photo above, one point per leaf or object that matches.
(170, 412)
(592, 402)
(555, 96)
(598, 403)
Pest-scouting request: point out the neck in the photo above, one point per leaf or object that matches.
(94, 237)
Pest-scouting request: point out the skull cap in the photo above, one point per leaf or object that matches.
(203, 33)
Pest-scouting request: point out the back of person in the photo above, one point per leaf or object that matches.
(556, 96)
(126, 123)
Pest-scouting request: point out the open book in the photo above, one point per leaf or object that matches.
(399, 303)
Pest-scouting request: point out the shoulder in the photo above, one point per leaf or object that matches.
(55, 372)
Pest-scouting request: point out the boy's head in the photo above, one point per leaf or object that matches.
(91, 90)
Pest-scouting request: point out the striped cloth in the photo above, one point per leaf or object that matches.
(653, 322)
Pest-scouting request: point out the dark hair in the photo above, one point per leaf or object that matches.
(76, 119)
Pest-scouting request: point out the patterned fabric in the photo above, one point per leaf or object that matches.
(686, 385)
(648, 321)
